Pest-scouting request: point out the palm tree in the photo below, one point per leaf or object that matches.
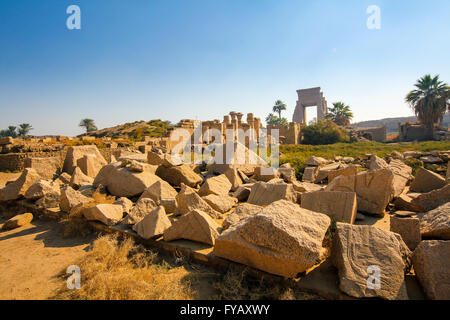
(11, 132)
(278, 107)
(430, 101)
(340, 114)
(24, 129)
(88, 124)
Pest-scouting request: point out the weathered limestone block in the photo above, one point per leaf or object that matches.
(221, 203)
(189, 200)
(196, 226)
(408, 228)
(310, 174)
(325, 170)
(402, 175)
(70, 198)
(163, 194)
(265, 173)
(376, 163)
(281, 239)
(340, 206)
(234, 177)
(126, 204)
(315, 161)
(18, 221)
(47, 168)
(263, 194)
(78, 152)
(305, 187)
(433, 199)
(18, 188)
(243, 192)
(431, 159)
(359, 250)
(347, 171)
(143, 207)
(122, 182)
(219, 185)
(109, 214)
(374, 189)
(154, 158)
(436, 223)
(79, 179)
(427, 181)
(179, 174)
(242, 211)
(431, 261)
(405, 202)
(287, 174)
(63, 179)
(90, 165)
(41, 189)
(153, 225)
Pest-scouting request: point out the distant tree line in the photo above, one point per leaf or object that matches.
(21, 131)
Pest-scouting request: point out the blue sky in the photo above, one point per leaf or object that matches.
(199, 59)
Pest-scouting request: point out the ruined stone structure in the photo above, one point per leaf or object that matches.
(417, 132)
(289, 134)
(378, 134)
(309, 98)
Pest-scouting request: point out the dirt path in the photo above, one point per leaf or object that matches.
(33, 257)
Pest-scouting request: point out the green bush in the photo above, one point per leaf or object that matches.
(415, 164)
(324, 132)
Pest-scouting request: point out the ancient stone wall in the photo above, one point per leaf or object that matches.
(15, 161)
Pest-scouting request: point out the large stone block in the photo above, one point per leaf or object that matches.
(19, 187)
(263, 194)
(153, 224)
(436, 223)
(340, 206)
(109, 214)
(122, 182)
(177, 175)
(196, 226)
(219, 185)
(281, 239)
(360, 252)
(374, 189)
(163, 194)
(408, 228)
(431, 261)
(433, 199)
(427, 181)
(189, 200)
(47, 168)
(78, 152)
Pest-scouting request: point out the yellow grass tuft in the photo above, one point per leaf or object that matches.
(115, 270)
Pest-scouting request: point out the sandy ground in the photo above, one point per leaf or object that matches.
(33, 257)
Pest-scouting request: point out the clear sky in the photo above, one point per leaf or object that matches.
(199, 59)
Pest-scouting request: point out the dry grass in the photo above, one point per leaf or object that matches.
(115, 270)
(122, 270)
(236, 284)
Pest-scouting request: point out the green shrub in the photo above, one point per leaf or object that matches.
(415, 164)
(324, 132)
